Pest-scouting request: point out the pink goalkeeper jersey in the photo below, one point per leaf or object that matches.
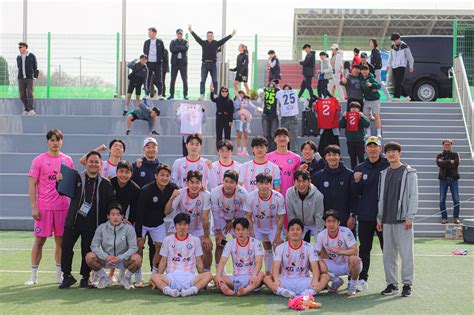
(182, 166)
(181, 254)
(216, 174)
(287, 163)
(295, 262)
(265, 212)
(228, 208)
(44, 169)
(249, 170)
(243, 257)
(344, 239)
(192, 206)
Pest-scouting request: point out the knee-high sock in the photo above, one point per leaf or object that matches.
(268, 258)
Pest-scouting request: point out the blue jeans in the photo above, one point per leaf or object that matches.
(205, 68)
(453, 185)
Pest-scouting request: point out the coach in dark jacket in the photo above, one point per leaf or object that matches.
(179, 62)
(27, 72)
(365, 189)
(308, 70)
(88, 209)
(155, 51)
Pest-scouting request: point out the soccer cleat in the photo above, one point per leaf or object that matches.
(351, 289)
(362, 286)
(336, 284)
(68, 281)
(31, 281)
(406, 291)
(126, 282)
(103, 283)
(391, 289)
(85, 283)
(154, 133)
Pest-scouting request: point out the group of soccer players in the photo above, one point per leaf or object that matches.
(178, 208)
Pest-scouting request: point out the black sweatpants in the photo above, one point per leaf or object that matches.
(183, 70)
(356, 150)
(398, 76)
(306, 84)
(154, 70)
(70, 237)
(222, 125)
(366, 230)
(325, 139)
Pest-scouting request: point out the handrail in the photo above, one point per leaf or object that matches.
(463, 95)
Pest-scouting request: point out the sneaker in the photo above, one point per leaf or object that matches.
(372, 117)
(240, 152)
(171, 97)
(444, 221)
(287, 293)
(406, 291)
(161, 98)
(211, 285)
(201, 97)
(336, 284)
(351, 289)
(185, 98)
(126, 282)
(125, 112)
(24, 113)
(95, 278)
(104, 282)
(457, 221)
(362, 286)
(171, 292)
(245, 152)
(139, 284)
(302, 99)
(68, 281)
(154, 133)
(31, 281)
(32, 113)
(390, 290)
(407, 99)
(127, 133)
(85, 283)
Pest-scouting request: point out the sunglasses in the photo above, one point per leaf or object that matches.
(224, 91)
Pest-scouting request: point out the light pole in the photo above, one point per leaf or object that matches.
(123, 81)
(25, 19)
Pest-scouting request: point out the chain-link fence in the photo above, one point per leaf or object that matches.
(464, 45)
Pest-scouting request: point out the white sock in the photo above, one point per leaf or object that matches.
(379, 132)
(353, 282)
(127, 274)
(367, 132)
(279, 291)
(138, 275)
(58, 273)
(268, 258)
(34, 272)
(167, 290)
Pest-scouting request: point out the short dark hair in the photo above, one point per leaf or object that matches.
(259, 141)
(225, 143)
(297, 222)
(395, 36)
(194, 174)
(143, 57)
(117, 140)
(125, 164)
(332, 148)
(355, 104)
(242, 221)
(234, 175)
(323, 53)
(271, 52)
(210, 32)
(54, 132)
(182, 217)
(392, 146)
(364, 67)
(374, 41)
(281, 132)
(304, 174)
(331, 213)
(91, 153)
(23, 44)
(116, 206)
(311, 144)
(194, 136)
(306, 46)
(287, 85)
(156, 110)
(162, 167)
(263, 178)
(357, 67)
(356, 50)
(152, 29)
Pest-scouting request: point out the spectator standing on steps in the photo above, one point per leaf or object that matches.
(179, 63)
(242, 69)
(376, 61)
(136, 78)
(275, 71)
(27, 73)
(400, 58)
(308, 71)
(448, 163)
(155, 51)
(209, 57)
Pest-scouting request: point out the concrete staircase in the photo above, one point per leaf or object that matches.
(419, 127)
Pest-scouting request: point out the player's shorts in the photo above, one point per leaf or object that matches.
(50, 222)
(137, 86)
(220, 223)
(240, 281)
(138, 113)
(241, 126)
(297, 285)
(241, 78)
(157, 233)
(338, 269)
(195, 233)
(265, 235)
(372, 105)
(181, 280)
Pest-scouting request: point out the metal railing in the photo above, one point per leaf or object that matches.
(462, 93)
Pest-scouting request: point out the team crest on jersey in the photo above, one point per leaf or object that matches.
(189, 246)
(339, 242)
(302, 256)
(198, 202)
(38, 229)
(155, 199)
(290, 161)
(342, 183)
(326, 184)
(142, 174)
(267, 170)
(199, 167)
(364, 177)
(250, 252)
(272, 207)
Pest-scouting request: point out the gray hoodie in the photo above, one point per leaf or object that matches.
(310, 210)
(408, 203)
(326, 69)
(119, 240)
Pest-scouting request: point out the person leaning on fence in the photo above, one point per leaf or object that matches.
(155, 51)
(179, 63)
(448, 163)
(308, 71)
(136, 78)
(400, 58)
(27, 73)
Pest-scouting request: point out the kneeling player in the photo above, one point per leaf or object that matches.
(247, 258)
(114, 246)
(295, 257)
(341, 246)
(181, 254)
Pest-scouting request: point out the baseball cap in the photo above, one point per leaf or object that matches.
(334, 46)
(179, 31)
(148, 140)
(363, 55)
(373, 139)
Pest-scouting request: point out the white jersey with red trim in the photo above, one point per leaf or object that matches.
(249, 170)
(265, 212)
(243, 256)
(181, 254)
(183, 165)
(192, 206)
(228, 208)
(344, 239)
(216, 173)
(295, 262)
(108, 170)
